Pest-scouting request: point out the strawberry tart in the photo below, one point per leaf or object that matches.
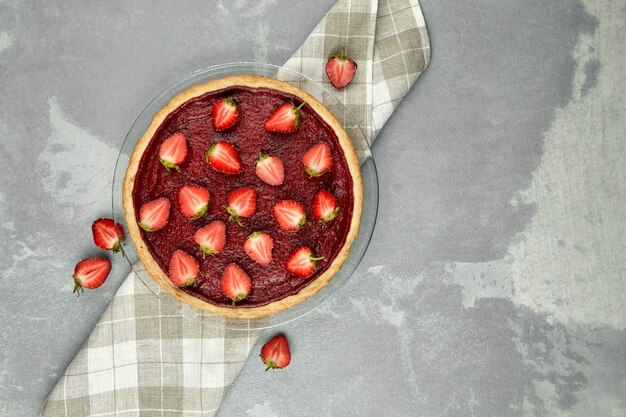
(243, 196)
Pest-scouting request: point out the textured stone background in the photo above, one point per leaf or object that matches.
(495, 283)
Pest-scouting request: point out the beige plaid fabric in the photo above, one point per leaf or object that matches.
(146, 356)
(389, 42)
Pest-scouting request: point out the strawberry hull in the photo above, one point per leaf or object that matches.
(272, 282)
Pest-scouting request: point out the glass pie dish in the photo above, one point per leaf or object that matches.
(367, 167)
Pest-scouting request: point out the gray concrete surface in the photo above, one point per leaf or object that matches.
(495, 283)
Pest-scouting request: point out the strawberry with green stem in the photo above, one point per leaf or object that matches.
(275, 354)
(285, 119)
(259, 246)
(235, 283)
(289, 215)
(241, 203)
(225, 114)
(340, 70)
(183, 269)
(325, 206)
(211, 238)
(318, 159)
(270, 169)
(302, 262)
(223, 157)
(193, 201)
(173, 152)
(108, 235)
(90, 273)
(154, 215)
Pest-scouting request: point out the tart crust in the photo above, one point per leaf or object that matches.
(146, 257)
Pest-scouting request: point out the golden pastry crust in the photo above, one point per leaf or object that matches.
(146, 257)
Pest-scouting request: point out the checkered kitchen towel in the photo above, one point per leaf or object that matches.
(133, 364)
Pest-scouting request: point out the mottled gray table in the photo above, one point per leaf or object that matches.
(495, 283)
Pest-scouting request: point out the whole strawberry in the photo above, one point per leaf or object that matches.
(340, 70)
(90, 273)
(275, 354)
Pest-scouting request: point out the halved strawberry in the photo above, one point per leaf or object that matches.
(108, 235)
(184, 269)
(275, 354)
(302, 262)
(324, 206)
(318, 159)
(90, 273)
(259, 246)
(223, 157)
(224, 114)
(235, 283)
(285, 118)
(241, 203)
(290, 215)
(193, 201)
(270, 169)
(173, 151)
(211, 238)
(154, 214)
(340, 70)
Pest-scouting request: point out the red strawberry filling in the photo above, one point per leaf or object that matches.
(248, 136)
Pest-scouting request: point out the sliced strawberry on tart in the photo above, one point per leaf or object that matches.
(223, 157)
(235, 283)
(318, 159)
(184, 269)
(259, 246)
(173, 152)
(325, 206)
(290, 215)
(241, 203)
(302, 262)
(193, 201)
(285, 119)
(264, 204)
(211, 238)
(270, 169)
(225, 114)
(154, 214)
